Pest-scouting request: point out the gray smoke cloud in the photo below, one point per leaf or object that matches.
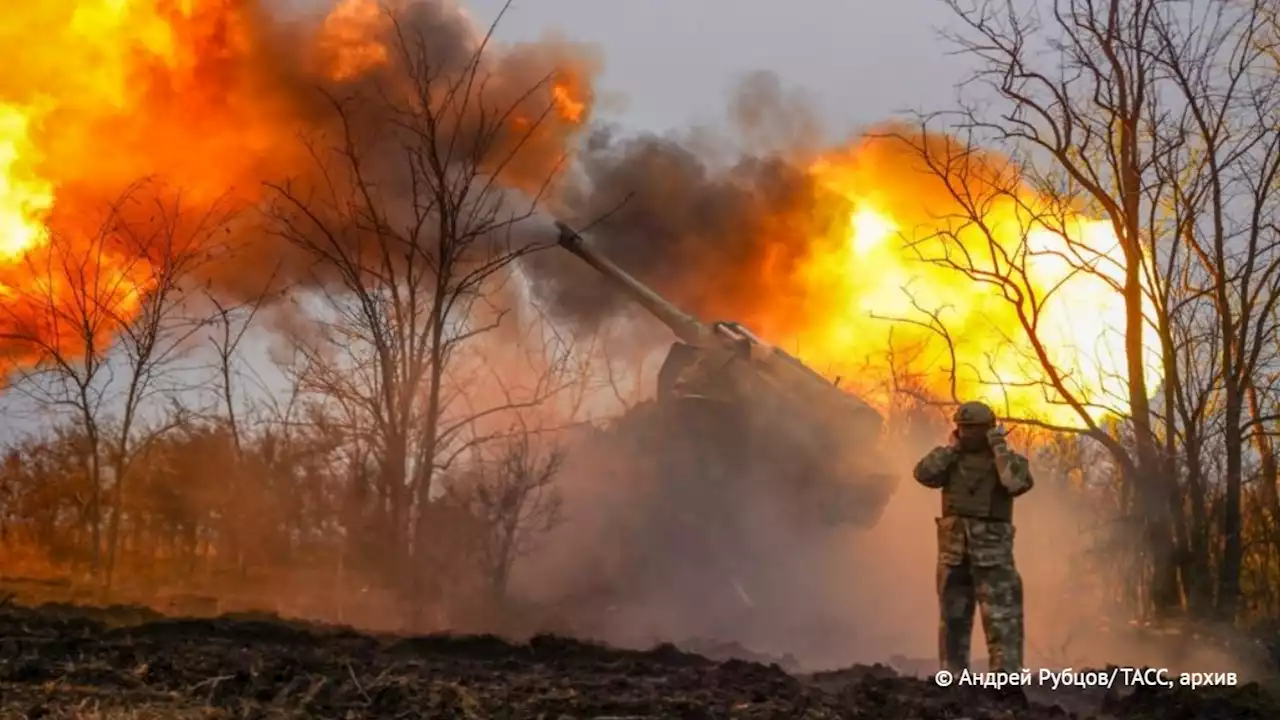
(705, 219)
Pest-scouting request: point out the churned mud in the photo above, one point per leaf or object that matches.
(124, 663)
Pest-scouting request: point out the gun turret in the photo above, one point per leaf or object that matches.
(791, 415)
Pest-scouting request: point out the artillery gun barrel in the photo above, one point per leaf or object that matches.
(686, 327)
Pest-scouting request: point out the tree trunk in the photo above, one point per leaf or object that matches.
(1232, 547)
(399, 558)
(1268, 469)
(1199, 591)
(1268, 472)
(427, 463)
(94, 468)
(113, 528)
(1152, 484)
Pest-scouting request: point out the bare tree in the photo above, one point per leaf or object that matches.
(511, 491)
(1154, 117)
(414, 226)
(230, 323)
(118, 288)
(1087, 115)
(1225, 176)
(176, 243)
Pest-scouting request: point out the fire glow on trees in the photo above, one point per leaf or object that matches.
(210, 95)
(957, 245)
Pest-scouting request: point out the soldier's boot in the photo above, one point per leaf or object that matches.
(957, 605)
(1000, 597)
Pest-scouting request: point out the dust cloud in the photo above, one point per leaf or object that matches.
(825, 596)
(828, 596)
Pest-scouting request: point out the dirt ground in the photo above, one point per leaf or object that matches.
(61, 662)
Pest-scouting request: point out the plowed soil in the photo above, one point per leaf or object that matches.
(63, 663)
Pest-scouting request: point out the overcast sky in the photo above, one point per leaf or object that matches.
(675, 62)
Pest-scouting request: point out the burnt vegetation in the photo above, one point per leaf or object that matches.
(61, 664)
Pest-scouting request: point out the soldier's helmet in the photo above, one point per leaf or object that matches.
(974, 413)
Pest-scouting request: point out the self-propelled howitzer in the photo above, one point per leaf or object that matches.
(789, 422)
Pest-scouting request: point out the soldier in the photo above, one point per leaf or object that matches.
(979, 477)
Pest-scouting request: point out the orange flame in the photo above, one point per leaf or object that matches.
(24, 197)
(210, 95)
(878, 268)
(115, 91)
(348, 40)
(566, 105)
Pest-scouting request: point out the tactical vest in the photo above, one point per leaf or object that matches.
(973, 489)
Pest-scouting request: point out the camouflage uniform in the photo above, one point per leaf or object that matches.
(979, 476)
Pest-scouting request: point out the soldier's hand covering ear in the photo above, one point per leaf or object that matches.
(997, 436)
(1012, 468)
(955, 440)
